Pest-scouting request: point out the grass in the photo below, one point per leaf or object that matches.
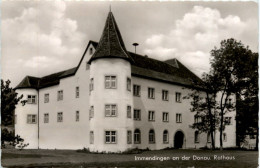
(74, 159)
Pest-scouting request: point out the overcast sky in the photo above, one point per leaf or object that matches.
(39, 38)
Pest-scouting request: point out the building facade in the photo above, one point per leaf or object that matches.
(113, 100)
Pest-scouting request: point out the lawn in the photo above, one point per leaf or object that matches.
(169, 158)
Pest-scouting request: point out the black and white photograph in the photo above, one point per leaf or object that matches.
(129, 84)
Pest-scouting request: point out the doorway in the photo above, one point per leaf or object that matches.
(178, 139)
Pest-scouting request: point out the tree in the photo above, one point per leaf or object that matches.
(9, 99)
(231, 63)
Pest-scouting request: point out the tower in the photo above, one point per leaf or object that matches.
(111, 101)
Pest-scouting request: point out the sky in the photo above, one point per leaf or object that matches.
(43, 37)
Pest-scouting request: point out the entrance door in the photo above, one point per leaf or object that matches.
(178, 140)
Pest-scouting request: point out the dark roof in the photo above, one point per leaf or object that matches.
(111, 44)
(170, 71)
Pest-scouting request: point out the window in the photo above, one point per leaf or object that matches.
(60, 95)
(165, 96)
(91, 84)
(197, 119)
(110, 136)
(46, 98)
(110, 82)
(31, 99)
(137, 136)
(208, 137)
(77, 115)
(129, 137)
(151, 116)
(165, 116)
(128, 84)
(178, 118)
(77, 92)
(229, 102)
(137, 114)
(110, 110)
(46, 118)
(178, 97)
(228, 120)
(129, 112)
(165, 136)
(196, 139)
(91, 137)
(136, 89)
(15, 119)
(31, 119)
(151, 136)
(224, 137)
(90, 51)
(59, 117)
(151, 93)
(91, 112)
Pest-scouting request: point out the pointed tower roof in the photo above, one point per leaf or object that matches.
(111, 44)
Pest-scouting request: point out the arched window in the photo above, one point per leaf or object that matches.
(196, 139)
(151, 136)
(165, 136)
(137, 136)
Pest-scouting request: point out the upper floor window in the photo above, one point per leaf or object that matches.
(91, 137)
(165, 95)
(60, 95)
(110, 110)
(110, 82)
(46, 118)
(91, 112)
(90, 51)
(91, 84)
(151, 136)
(151, 116)
(178, 97)
(151, 93)
(137, 114)
(178, 118)
(137, 136)
(165, 136)
(31, 99)
(197, 119)
(77, 92)
(46, 98)
(196, 137)
(136, 89)
(165, 116)
(59, 117)
(77, 116)
(110, 136)
(129, 137)
(129, 112)
(31, 119)
(228, 120)
(128, 84)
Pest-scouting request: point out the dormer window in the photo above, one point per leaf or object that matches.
(90, 51)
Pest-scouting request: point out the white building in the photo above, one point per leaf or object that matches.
(112, 100)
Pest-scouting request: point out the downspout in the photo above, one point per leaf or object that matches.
(38, 118)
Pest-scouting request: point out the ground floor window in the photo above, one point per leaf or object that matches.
(224, 137)
(129, 137)
(137, 136)
(91, 136)
(31, 119)
(110, 136)
(151, 136)
(165, 136)
(59, 117)
(46, 118)
(208, 137)
(196, 139)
